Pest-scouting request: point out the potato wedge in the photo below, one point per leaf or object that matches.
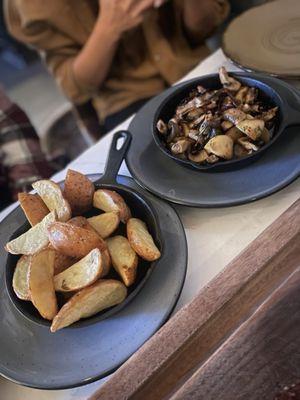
(141, 241)
(108, 200)
(79, 192)
(62, 262)
(82, 222)
(21, 278)
(107, 262)
(74, 241)
(51, 194)
(105, 224)
(123, 257)
(41, 286)
(89, 301)
(81, 274)
(34, 240)
(33, 206)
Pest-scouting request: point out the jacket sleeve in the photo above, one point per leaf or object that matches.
(56, 48)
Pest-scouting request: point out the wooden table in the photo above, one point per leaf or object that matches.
(215, 236)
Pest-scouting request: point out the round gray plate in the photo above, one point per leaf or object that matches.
(161, 175)
(32, 356)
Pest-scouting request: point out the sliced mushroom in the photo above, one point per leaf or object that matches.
(174, 130)
(212, 105)
(234, 133)
(204, 128)
(194, 114)
(221, 146)
(181, 146)
(241, 94)
(266, 135)
(161, 127)
(196, 102)
(185, 129)
(244, 141)
(226, 103)
(252, 127)
(225, 125)
(270, 114)
(251, 95)
(234, 115)
(201, 89)
(212, 159)
(210, 95)
(194, 134)
(250, 108)
(239, 151)
(199, 157)
(197, 121)
(228, 81)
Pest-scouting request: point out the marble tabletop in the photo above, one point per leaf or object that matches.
(215, 236)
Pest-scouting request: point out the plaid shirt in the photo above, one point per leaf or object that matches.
(21, 159)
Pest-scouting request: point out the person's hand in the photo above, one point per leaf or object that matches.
(122, 15)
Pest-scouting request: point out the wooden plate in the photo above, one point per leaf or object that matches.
(266, 39)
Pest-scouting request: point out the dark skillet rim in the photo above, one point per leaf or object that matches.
(112, 370)
(219, 165)
(111, 311)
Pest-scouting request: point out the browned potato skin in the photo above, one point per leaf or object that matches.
(107, 262)
(74, 241)
(62, 262)
(126, 268)
(21, 290)
(81, 222)
(141, 240)
(41, 285)
(33, 206)
(79, 192)
(119, 204)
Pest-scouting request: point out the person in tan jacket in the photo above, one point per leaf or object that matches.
(115, 54)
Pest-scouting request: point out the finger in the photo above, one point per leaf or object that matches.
(158, 3)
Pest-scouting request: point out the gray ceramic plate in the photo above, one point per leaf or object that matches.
(32, 356)
(164, 177)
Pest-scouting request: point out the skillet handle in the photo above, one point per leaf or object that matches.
(115, 156)
(293, 113)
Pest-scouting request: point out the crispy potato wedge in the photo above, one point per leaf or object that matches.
(51, 194)
(21, 278)
(82, 222)
(33, 206)
(105, 224)
(107, 262)
(41, 285)
(89, 301)
(61, 261)
(108, 200)
(81, 274)
(141, 241)
(34, 240)
(79, 192)
(74, 241)
(124, 258)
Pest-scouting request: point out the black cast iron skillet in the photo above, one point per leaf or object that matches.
(286, 116)
(140, 208)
